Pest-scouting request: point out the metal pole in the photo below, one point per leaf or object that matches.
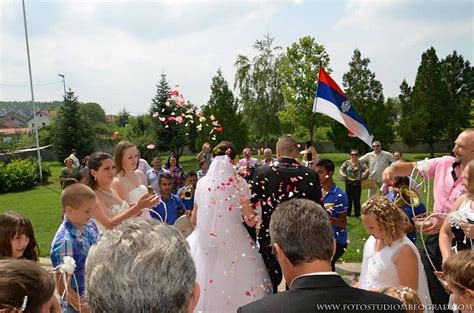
(64, 83)
(35, 126)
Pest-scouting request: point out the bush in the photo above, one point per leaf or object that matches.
(19, 175)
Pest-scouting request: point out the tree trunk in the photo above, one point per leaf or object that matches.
(431, 150)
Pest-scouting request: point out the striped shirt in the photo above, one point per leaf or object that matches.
(70, 241)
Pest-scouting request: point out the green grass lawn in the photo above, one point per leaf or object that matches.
(42, 206)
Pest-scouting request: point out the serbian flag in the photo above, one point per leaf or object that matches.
(331, 101)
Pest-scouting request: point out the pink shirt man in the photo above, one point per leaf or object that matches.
(445, 191)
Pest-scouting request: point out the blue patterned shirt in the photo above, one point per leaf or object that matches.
(70, 241)
(338, 197)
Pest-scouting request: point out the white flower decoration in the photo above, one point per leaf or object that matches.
(68, 266)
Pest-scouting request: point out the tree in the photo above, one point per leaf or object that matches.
(171, 132)
(424, 114)
(122, 118)
(366, 95)
(139, 130)
(93, 112)
(299, 73)
(458, 75)
(259, 86)
(72, 130)
(224, 107)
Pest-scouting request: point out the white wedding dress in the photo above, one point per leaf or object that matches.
(379, 270)
(135, 194)
(113, 210)
(229, 268)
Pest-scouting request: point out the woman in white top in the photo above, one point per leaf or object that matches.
(129, 183)
(390, 259)
(111, 210)
(460, 223)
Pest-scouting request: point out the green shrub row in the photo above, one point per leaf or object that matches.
(19, 175)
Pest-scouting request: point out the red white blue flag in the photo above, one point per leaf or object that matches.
(330, 100)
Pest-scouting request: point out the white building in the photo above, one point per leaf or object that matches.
(42, 118)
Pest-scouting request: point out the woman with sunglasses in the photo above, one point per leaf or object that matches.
(353, 172)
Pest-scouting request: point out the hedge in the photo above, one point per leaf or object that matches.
(20, 175)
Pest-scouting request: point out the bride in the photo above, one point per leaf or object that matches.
(130, 183)
(229, 268)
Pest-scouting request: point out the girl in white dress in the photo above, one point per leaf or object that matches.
(130, 183)
(111, 210)
(229, 268)
(390, 259)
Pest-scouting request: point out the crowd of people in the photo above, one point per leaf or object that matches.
(253, 223)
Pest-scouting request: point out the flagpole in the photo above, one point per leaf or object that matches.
(316, 93)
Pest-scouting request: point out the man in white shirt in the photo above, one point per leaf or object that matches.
(77, 164)
(377, 161)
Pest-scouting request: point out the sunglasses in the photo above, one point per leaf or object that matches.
(375, 146)
(354, 154)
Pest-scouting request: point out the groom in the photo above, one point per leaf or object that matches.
(272, 185)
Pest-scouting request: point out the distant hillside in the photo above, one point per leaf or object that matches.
(24, 107)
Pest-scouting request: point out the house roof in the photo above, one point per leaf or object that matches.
(16, 115)
(44, 112)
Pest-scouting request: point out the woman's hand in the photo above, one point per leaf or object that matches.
(148, 200)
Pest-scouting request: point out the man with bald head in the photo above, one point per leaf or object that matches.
(283, 180)
(246, 165)
(447, 187)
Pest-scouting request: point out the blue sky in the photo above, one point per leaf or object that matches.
(113, 52)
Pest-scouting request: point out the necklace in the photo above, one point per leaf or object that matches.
(106, 192)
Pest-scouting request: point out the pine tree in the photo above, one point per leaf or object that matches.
(224, 107)
(169, 134)
(366, 95)
(72, 130)
(424, 117)
(458, 75)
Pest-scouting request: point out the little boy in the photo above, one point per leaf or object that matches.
(170, 206)
(186, 193)
(75, 236)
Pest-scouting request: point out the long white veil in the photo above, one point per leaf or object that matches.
(229, 269)
(218, 196)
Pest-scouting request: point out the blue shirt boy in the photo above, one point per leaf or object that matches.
(70, 241)
(421, 209)
(188, 203)
(338, 197)
(171, 212)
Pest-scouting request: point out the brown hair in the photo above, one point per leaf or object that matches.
(391, 219)
(456, 270)
(118, 154)
(94, 163)
(12, 224)
(407, 296)
(24, 280)
(75, 194)
(225, 148)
